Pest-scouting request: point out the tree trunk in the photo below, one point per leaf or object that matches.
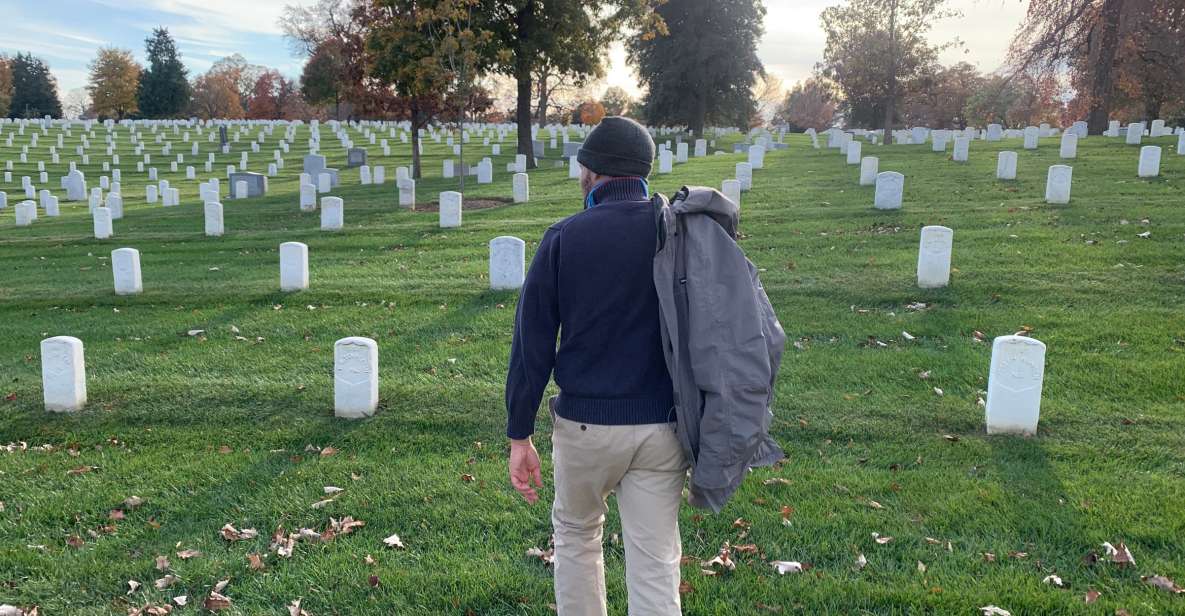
(891, 98)
(699, 115)
(525, 23)
(1101, 86)
(416, 123)
(544, 96)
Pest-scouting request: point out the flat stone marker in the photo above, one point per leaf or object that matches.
(332, 213)
(407, 193)
(101, 219)
(934, 257)
(665, 161)
(757, 156)
(1149, 166)
(869, 167)
(854, 153)
(521, 184)
(294, 267)
(26, 213)
(507, 263)
(889, 188)
(962, 149)
(125, 264)
(355, 378)
(1014, 385)
(1006, 165)
(450, 209)
(308, 198)
(731, 189)
(1069, 147)
(744, 175)
(63, 374)
(1057, 184)
(213, 215)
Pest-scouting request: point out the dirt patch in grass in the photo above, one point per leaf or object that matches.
(467, 205)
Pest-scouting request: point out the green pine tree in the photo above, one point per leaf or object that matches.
(34, 91)
(164, 87)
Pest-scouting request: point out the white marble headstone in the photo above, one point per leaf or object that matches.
(1149, 166)
(1069, 147)
(450, 209)
(355, 378)
(63, 374)
(407, 193)
(294, 266)
(962, 149)
(308, 197)
(101, 217)
(573, 168)
(854, 153)
(332, 213)
(1057, 184)
(1006, 165)
(869, 167)
(1014, 385)
(744, 175)
(665, 161)
(757, 156)
(125, 265)
(890, 185)
(521, 185)
(507, 263)
(213, 215)
(731, 189)
(934, 253)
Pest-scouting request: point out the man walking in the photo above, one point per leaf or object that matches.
(592, 284)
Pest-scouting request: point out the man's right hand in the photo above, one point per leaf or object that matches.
(524, 467)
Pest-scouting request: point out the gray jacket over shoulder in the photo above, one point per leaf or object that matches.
(722, 340)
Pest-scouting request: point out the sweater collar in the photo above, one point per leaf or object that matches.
(619, 189)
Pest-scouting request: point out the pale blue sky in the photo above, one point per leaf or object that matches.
(66, 33)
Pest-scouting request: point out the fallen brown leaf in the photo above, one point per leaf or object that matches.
(1163, 583)
(216, 602)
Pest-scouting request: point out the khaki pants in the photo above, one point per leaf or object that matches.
(645, 466)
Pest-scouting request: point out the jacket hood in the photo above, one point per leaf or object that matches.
(704, 200)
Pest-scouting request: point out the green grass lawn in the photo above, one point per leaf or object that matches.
(211, 429)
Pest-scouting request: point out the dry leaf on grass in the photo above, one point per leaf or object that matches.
(1163, 583)
(165, 582)
(331, 490)
(181, 600)
(1091, 596)
(162, 563)
(861, 562)
(1053, 580)
(188, 554)
(133, 502)
(722, 561)
(991, 610)
(133, 586)
(294, 609)
(230, 533)
(1119, 555)
(547, 556)
(777, 481)
(321, 503)
(394, 542)
(881, 539)
(255, 561)
(789, 566)
(221, 585)
(216, 602)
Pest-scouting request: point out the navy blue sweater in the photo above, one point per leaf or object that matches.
(592, 283)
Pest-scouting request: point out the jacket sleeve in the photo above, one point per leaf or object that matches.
(536, 325)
